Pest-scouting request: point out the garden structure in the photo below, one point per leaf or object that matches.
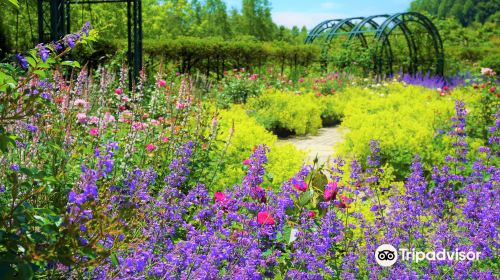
(417, 30)
(54, 23)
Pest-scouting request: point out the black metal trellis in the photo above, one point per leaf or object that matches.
(383, 54)
(54, 23)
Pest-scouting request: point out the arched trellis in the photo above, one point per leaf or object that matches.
(358, 27)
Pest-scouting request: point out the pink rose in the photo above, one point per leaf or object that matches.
(300, 186)
(265, 218)
(330, 192)
(219, 197)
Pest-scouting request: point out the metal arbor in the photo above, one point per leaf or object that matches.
(382, 55)
(54, 23)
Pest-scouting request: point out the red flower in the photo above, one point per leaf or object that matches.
(301, 186)
(311, 214)
(492, 89)
(445, 88)
(219, 197)
(118, 91)
(265, 218)
(442, 93)
(330, 192)
(344, 201)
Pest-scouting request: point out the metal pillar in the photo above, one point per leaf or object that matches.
(54, 23)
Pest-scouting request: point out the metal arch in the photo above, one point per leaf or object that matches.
(339, 25)
(318, 29)
(361, 24)
(400, 20)
(381, 37)
(383, 33)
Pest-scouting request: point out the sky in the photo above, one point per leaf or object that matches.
(312, 12)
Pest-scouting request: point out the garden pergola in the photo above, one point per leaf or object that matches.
(382, 55)
(54, 23)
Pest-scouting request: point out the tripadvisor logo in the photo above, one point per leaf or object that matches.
(386, 255)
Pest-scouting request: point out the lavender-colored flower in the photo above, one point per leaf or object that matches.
(14, 167)
(43, 52)
(22, 61)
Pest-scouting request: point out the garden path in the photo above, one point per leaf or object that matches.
(321, 144)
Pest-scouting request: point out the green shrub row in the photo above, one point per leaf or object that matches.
(214, 55)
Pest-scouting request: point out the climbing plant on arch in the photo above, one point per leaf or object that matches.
(424, 50)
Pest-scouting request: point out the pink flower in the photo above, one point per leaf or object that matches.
(265, 218)
(108, 118)
(344, 202)
(247, 162)
(442, 93)
(164, 139)
(93, 120)
(150, 147)
(301, 80)
(301, 186)
(330, 192)
(155, 122)
(81, 118)
(219, 197)
(139, 125)
(81, 103)
(311, 214)
(487, 72)
(161, 83)
(181, 105)
(94, 131)
(118, 91)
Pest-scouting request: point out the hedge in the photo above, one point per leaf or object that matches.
(214, 54)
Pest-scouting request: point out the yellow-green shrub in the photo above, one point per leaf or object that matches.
(287, 112)
(284, 159)
(406, 121)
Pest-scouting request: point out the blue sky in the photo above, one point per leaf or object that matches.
(311, 12)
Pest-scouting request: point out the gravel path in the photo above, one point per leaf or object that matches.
(321, 144)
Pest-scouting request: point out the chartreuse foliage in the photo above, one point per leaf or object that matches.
(407, 120)
(244, 133)
(286, 113)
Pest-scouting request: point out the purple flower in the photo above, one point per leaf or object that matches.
(43, 52)
(22, 61)
(14, 167)
(31, 128)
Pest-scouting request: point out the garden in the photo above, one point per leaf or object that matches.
(188, 170)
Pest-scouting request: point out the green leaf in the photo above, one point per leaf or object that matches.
(71, 63)
(5, 140)
(14, 3)
(305, 197)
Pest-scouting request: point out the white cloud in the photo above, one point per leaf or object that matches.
(309, 19)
